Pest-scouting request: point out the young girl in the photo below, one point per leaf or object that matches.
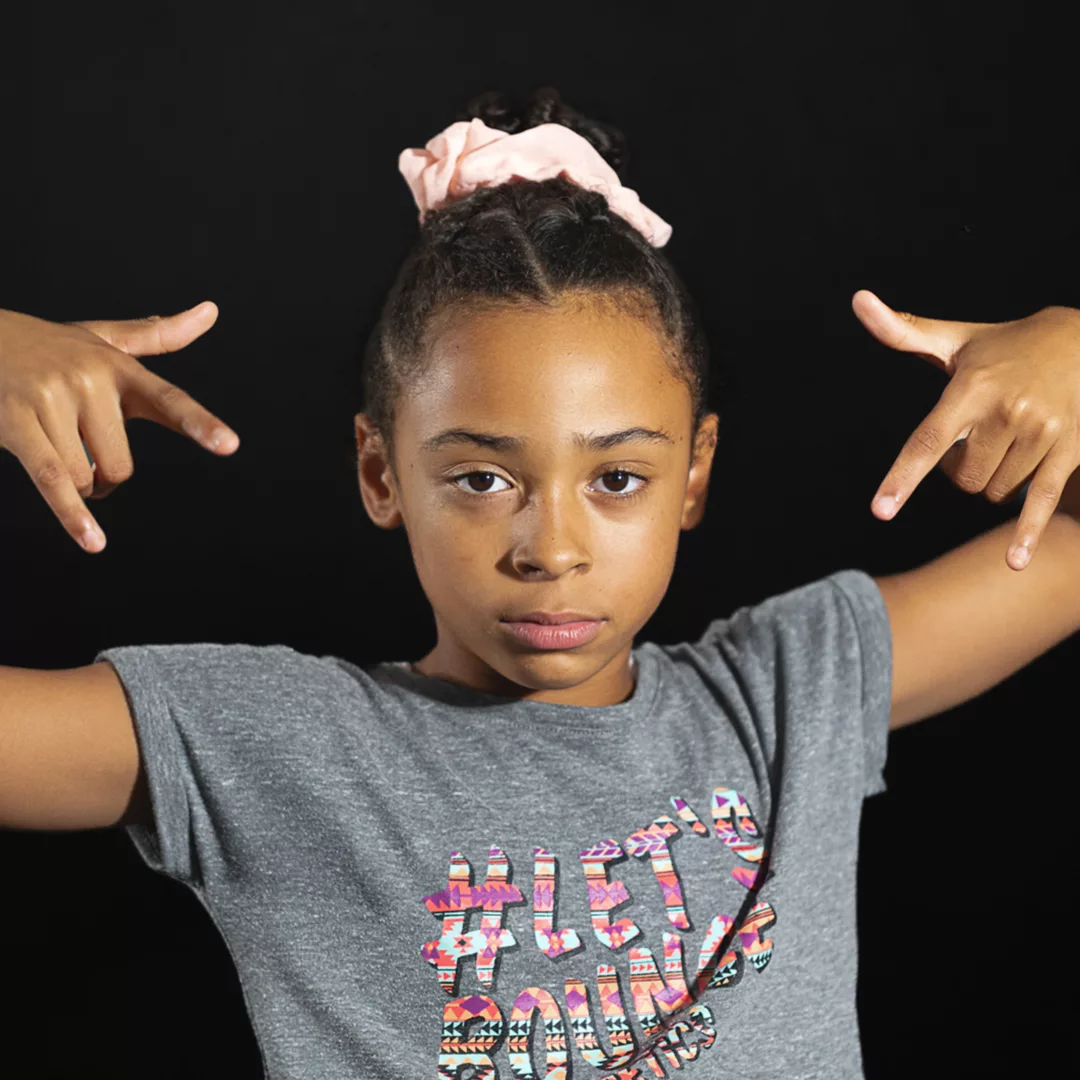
(541, 850)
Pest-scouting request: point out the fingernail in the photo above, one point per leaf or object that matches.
(223, 439)
(886, 505)
(92, 539)
(1019, 556)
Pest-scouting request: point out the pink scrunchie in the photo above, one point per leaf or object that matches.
(469, 154)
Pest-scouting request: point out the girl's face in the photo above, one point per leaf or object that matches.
(544, 463)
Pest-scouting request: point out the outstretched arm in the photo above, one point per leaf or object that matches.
(1009, 419)
(966, 621)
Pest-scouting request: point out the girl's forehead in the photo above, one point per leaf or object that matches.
(557, 362)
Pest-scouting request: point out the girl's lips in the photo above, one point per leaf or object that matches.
(557, 636)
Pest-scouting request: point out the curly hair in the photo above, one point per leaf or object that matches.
(533, 243)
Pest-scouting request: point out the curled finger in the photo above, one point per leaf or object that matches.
(971, 462)
(1018, 466)
(59, 419)
(105, 439)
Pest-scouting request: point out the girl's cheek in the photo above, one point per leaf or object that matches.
(460, 550)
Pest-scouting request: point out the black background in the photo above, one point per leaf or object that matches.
(158, 155)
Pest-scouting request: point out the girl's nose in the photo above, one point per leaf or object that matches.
(551, 538)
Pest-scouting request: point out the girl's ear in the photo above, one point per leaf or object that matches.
(378, 487)
(697, 485)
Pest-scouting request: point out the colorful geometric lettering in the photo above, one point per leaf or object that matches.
(454, 902)
(758, 949)
(676, 1051)
(657, 1068)
(731, 813)
(619, 1032)
(517, 1043)
(653, 842)
(605, 895)
(459, 1046)
(701, 1020)
(688, 815)
(649, 989)
(551, 942)
(715, 970)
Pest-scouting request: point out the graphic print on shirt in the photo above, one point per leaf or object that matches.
(537, 1027)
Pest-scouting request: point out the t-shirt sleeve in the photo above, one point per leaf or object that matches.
(872, 635)
(213, 724)
(813, 671)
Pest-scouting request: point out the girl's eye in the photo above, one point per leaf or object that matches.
(616, 482)
(481, 483)
(621, 482)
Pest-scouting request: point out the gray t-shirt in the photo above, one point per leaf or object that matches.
(419, 880)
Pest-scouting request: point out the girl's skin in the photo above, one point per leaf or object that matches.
(549, 536)
(553, 532)
(499, 529)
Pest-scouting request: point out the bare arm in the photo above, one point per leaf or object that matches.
(966, 621)
(1007, 423)
(69, 758)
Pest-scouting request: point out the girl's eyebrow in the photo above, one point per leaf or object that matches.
(509, 443)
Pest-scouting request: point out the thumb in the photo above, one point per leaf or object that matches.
(938, 340)
(155, 335)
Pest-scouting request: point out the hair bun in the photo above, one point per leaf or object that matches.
(545, 106)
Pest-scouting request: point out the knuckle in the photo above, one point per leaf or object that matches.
(94, 374)
(1043, 493)
(167, 397)
(51, 387)
(1052, 426)
(926, 439)
(116, 472)
(975, 381)
(84, 379)
(969, 480)
(48, 474)
(1017, 411)
(82, 478)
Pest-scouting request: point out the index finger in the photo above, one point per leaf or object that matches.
(944, 426)
(165, 403)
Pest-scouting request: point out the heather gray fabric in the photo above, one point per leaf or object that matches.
(315, 808)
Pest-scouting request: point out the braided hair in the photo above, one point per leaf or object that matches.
(534, 243)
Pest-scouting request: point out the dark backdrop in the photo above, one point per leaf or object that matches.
(158, 155)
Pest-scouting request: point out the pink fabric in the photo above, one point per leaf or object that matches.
(469, 154)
